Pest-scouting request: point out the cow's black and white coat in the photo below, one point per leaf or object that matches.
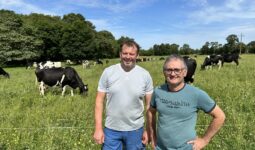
(60, 77)
(212, 60)
(4, 73)
(49, 64)
(228, 58)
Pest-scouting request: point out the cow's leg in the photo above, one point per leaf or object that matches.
(236, 61)
(41, 88)
(62, 79)
(63, 90)
(71, 92)
(220, 64)
(56, 84)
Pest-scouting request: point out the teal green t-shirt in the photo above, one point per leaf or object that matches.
(177, 115)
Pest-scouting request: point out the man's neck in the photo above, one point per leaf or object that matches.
(127, 69)
(175, 87)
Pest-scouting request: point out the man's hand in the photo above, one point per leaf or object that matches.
(198, 143)
(99, 136)
(145, 138)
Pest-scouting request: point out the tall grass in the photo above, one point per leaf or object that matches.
(30, 121)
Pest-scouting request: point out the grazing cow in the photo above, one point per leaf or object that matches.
(98, 61)
(4, 73)
(191, 65)
(138, 60)
(161, 58)
(69, 62)
(60, 77)
(29, 65)
(49, 64)
(228, 58)
(212, 60)
(85, 64)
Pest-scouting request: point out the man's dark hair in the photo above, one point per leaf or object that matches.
(130, 43)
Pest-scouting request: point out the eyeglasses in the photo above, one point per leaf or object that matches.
(176, 71)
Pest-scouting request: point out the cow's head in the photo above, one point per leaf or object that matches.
(84, 89)
(7, 75)
(202, 67)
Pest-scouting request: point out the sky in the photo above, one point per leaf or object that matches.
(151, 22)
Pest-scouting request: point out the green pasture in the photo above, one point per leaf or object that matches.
(53, 122)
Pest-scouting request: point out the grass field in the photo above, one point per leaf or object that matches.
(30, 121)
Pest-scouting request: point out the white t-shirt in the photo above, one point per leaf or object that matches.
(125, 93)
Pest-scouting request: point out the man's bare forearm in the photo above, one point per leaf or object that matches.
(215, 125)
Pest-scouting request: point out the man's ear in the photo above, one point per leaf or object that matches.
(185, 72)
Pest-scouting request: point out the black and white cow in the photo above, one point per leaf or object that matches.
(85, 64)
(99, 62)
(212, 60)
(60, 77)
(49, 64)
(30, 65)
(191, 65)
(228, 58)
(4, 73)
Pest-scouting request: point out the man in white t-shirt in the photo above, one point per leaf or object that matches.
(125, 86)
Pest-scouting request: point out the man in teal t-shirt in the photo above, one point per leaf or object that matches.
(177, 104)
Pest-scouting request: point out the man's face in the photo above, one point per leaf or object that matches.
(175, 72)
(128, 57)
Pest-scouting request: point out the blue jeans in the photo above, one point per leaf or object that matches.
(128, 140)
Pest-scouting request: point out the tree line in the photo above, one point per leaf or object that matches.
(233, 45)
(42, 37)
(38, 37)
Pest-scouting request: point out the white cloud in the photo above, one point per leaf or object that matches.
(20, 6)
(104, 24)
(234, 4)
(116, 6)
(229, 10)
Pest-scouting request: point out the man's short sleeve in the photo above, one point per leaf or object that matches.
(102, 84)
(149, 84)
(153, 100)
(205, 102)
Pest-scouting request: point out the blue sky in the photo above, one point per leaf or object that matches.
(152, 22)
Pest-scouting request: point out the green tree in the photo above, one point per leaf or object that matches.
(185, 50)
(174, 49)
(242, 47)
(231, 45)
(48, 29)
(251, 47)
(205, 48)
(105, 45)
(15, 43)
(78, 36)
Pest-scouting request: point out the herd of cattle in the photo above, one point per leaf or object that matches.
(53, 74)
(209, 62)
(212, 60)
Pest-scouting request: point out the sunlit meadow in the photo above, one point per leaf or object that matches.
(30, 121)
